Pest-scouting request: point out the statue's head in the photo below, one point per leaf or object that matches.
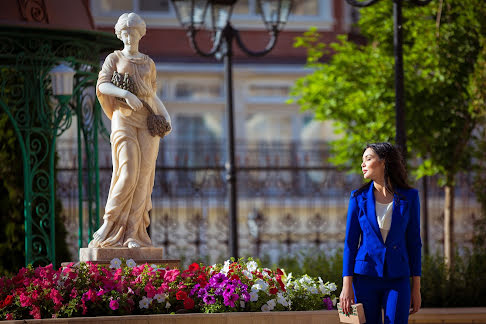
(130, 20)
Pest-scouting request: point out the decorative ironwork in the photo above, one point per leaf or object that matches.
(278, 214)
(34, 10)
(26, 57)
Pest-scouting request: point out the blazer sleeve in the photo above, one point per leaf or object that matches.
(414, 242)
(351, 241)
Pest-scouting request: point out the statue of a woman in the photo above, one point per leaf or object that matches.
(134, 150)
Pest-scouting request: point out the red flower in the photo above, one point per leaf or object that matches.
(188, 303)
(181, 295)
(201, 280)
(279, 272)
(273, 291)
(194, 267)
(282, 286)
(234, 277)
(8, 300)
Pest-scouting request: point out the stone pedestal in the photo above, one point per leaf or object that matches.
(150, 255)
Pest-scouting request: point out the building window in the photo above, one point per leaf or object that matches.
(269, 90)
(300, 8)
(198, 90)
(118, 5)
(268, 127)
(161, 6)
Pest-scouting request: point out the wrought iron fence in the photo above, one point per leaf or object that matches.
(289, 199)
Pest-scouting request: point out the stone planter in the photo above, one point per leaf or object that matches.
(474, 315)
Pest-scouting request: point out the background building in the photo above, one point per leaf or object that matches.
(290, 198)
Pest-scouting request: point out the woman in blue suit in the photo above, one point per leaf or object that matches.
(382, 248)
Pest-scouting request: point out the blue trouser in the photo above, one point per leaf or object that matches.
(390, 294)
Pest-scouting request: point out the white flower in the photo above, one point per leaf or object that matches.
(265, 274)
(271, 304)
(313, 290)
(115, 263)
(334, 301)
(306, 280)
(324, 290)
(320, 280)
(248, 274)
(130, 291)
(281, 300)
(242, 303)
(145, 302)
(254, 296)
(131, 263)
(160, 297)
(225, 269)
(167, 305)
(332, 286)
(265, 308)
(252, 266)
(260, 285)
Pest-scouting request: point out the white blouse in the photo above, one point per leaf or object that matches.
(384, 217)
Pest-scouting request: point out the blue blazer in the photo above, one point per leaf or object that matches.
(364, 250)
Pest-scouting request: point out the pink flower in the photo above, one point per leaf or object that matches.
(171, 275)
(114, 304)
(56, 297)
(25, 301)
(89, 295)
(163, 288)
(73, 293)
(35, 312)
(9, 317)
(150, 290)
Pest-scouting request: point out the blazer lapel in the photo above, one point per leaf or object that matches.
(371, 212)
(399, 208)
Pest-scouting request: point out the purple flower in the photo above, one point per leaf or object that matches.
(218, 280)
(193, 290)
(246, 296)
(209, 299)
(202, 292)
(327, 302)
(229, 290)
(218, 291)
(243, 287)
(230, 299)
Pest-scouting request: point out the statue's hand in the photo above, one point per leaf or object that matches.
(133, 102)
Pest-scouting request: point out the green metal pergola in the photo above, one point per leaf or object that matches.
(26, 57)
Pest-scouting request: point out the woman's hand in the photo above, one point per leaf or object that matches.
(346, 299)
(133, 101)
(415, 298)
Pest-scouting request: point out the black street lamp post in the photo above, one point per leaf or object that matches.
(400, 137)
(191, 15)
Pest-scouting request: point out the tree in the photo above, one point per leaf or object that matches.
(443, 47)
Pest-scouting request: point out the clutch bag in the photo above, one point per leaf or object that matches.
(357, 315)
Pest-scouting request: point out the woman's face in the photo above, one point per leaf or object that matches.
(373, 168)
(130, 37)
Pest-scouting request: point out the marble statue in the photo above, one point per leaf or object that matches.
(134, 149)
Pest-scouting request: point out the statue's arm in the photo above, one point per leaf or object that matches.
(109, 89)
(159, 105)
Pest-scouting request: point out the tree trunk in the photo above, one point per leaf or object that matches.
(449, 226)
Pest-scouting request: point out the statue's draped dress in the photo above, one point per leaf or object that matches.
(134, 152)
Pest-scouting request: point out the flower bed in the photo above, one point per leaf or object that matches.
(124, 288)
